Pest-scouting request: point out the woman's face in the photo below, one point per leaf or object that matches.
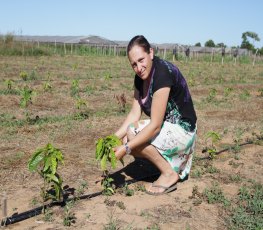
(141, 61)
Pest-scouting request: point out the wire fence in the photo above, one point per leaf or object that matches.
(174, 53)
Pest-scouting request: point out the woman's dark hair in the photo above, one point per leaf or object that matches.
(141, 41)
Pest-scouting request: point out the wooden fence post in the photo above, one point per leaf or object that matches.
(255, 57)
(65, 50)
(4, 205)
(164, 53)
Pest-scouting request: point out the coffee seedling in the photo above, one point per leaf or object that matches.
(105, 155)
(214, 138)
(45, 161)
(9, 83)
(23, 75)
(27, 95)
(74, 88)
(104, 151)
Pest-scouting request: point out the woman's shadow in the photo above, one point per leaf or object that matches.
(138, 170)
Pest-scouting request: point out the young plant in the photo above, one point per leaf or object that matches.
(107, 184)
(68, 216)
(214, 137)
(9, 87)
(104, 151)
(228, 91)
(80, 103)
(237, 140)
(215, 195)
(127, 191)
(47, 85)
(212, 95)
(82, 108)
(45, 161)
(24, 75)
(245, 94)
(105, 155)
(75, 66)
(26, 96)
(9, 83)
(75, 88)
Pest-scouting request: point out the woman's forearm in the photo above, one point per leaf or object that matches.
(122, 131)
(144, 136)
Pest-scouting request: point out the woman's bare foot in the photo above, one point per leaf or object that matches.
(163, 182)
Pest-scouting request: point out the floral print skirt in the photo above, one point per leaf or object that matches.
(174, 143)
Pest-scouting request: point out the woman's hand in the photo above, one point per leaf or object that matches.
(120, 151)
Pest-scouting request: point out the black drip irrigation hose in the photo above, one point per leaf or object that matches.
(37, 211)
(229, 148)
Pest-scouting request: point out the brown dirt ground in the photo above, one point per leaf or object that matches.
(76, 138)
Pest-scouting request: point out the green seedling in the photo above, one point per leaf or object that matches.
(237, 140)
(214, 194)
(80, 103)
(33, 74)
(9, 83)
(47, 86)
(75, 88)
(27, 95)
(214, 137)
(107, 77)
(45, 161)
(104, 151)
(75, 66)
(23, 75)
(107, 185)
(68, 216)
(105, 155)
(127, 191)
(48, 217)
(245, 94)
(212, 95)
(228, 91)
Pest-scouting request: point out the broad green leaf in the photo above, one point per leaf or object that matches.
(99, 148)
(52, 177)
(110, 179)
(113, 159)
(35, 160)
(103, 162)
(47, 165)
(53, 164)
(104, 150)
(110, 190)
(59, 156)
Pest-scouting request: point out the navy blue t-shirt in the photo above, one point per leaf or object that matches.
(179, 109)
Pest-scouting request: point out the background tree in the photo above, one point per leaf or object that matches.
(210, 43)
(198, 44)
(246, 44)
(221, 44)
